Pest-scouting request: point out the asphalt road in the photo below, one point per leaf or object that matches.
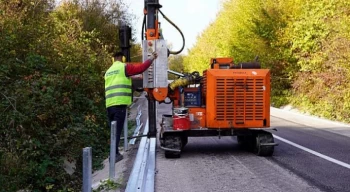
(211, 164)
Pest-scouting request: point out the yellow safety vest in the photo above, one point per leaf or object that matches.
(118, 89)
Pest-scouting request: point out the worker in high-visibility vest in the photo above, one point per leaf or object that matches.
(118, 90)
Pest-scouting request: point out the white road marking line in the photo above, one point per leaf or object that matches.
(314, 152)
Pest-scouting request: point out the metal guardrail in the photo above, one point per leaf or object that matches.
(141, 178)
(138, 125)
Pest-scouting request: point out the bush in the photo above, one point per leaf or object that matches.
(52, 62)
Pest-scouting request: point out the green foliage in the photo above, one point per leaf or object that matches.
(107, 185)
(176, 64)
(321, 45)
(131, 127)
(244, 30)
(52, 62)
(304, 43)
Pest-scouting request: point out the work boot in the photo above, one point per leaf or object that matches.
(118, 157)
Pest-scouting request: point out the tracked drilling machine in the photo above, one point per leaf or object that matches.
(228, 100)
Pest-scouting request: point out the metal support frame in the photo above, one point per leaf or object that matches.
(152, 115)
(157, 74)
(151, 16)
(151, 6)
(155, 77)
(124, 38)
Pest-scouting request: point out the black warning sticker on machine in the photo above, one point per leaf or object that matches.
(192, 99)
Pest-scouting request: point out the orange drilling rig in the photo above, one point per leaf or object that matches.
(228, 100)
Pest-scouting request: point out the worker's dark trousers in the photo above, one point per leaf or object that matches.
(117, 113)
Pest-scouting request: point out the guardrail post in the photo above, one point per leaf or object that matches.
(112, 151)
(87, 169)
(126, 131)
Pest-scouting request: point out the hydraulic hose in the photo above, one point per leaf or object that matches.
(186, 80)
(143, 26)
(182, 35)
(180, 82)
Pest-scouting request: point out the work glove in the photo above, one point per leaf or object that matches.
(153, 56)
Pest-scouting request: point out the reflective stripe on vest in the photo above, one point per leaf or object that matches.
(117, 86)
(117, 94)
(118, 90)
